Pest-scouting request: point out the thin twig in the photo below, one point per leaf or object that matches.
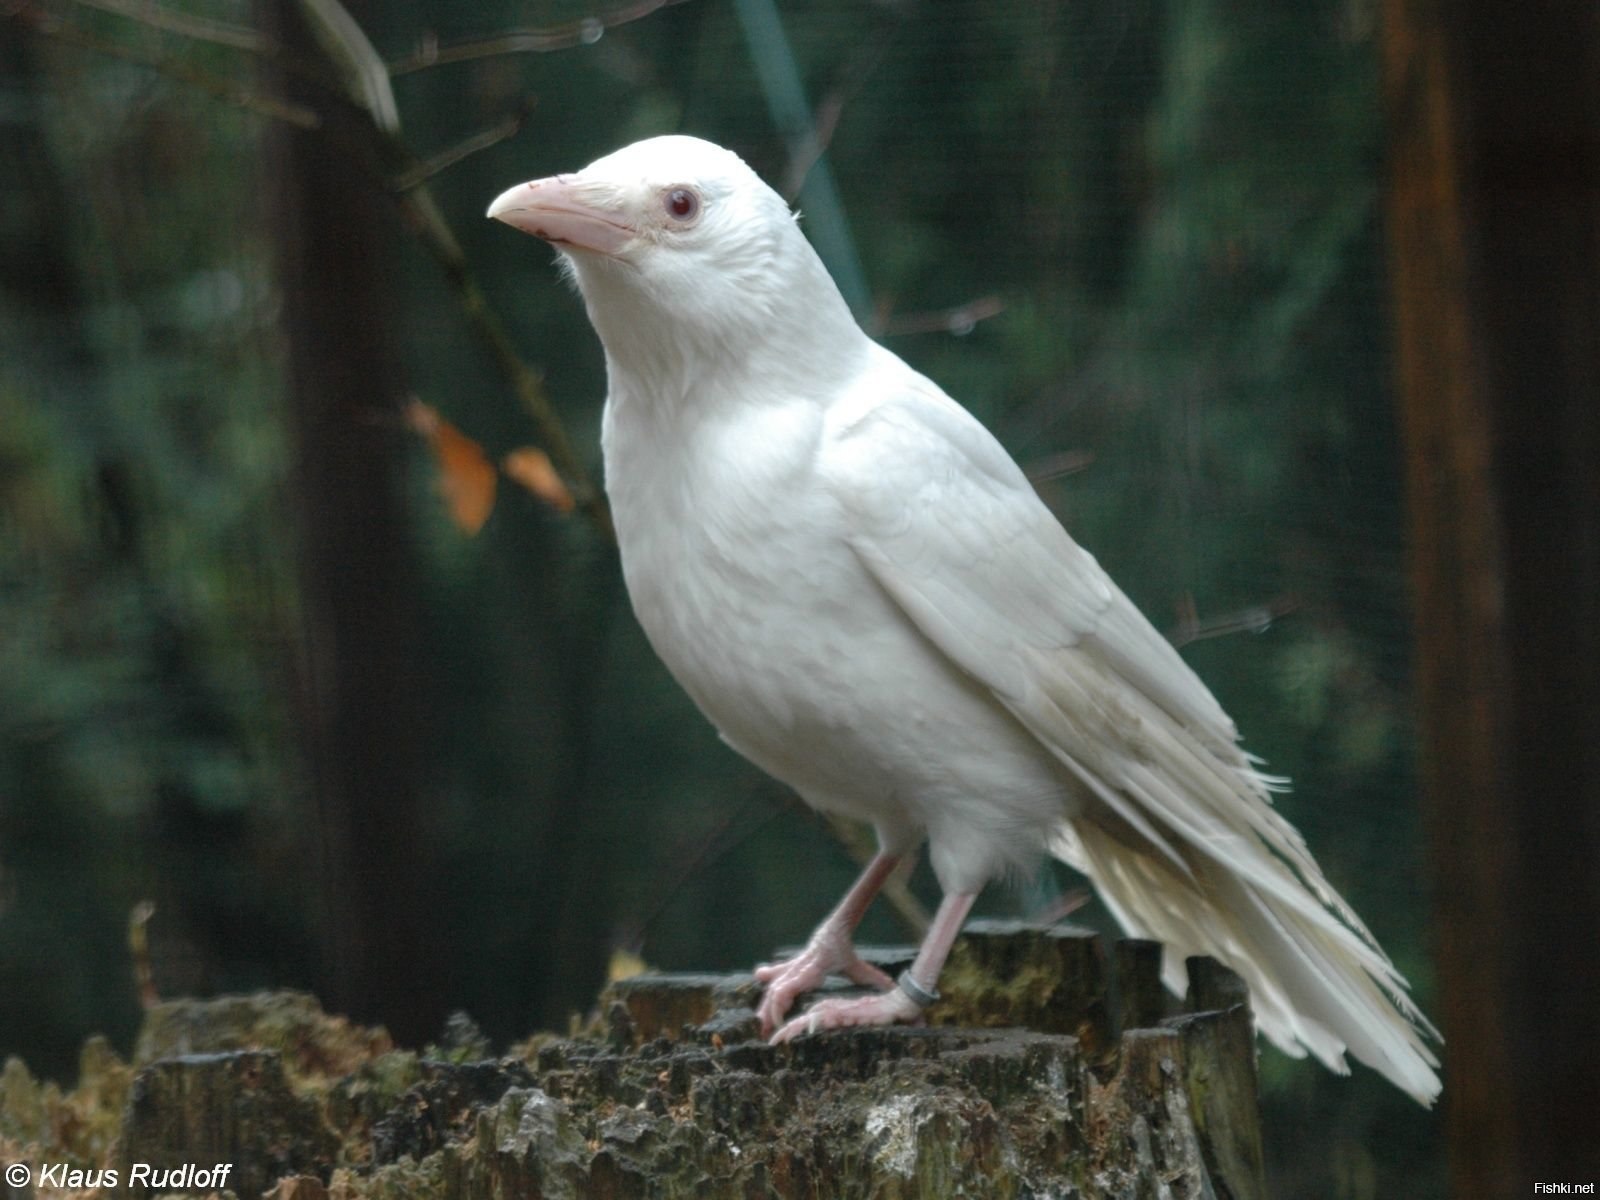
(139, 952)
(445, 159)
(526, 41)
(347, 47)
(197, 29)
(959, 320)
(709, 847)
(1258, 618)
(1055, 466)
(215, 85)
(429, 224)
(1061, 907)
(805, 152)
(425, 219)
(697, 852)
(344, 42)
(218, 33)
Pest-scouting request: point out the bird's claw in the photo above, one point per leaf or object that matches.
(885, 1008)
(826, 954)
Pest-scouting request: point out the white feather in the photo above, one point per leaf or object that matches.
(858, 586)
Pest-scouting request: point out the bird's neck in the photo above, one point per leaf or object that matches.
(678, 367)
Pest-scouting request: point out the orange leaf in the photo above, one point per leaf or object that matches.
(531, 468)
(624, 964)
(466, 476)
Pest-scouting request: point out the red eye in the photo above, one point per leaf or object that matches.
(681, 203)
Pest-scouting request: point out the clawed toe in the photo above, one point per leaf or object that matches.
(885, 1008)
(784, 981)
(807, 971)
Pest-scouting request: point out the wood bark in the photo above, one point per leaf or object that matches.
(364, 683)
(1494, 231)
(671, 1092)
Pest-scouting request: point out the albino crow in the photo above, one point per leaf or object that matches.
(862, 592)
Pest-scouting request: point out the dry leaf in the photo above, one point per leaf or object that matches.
(467, 478)
(624, 964)
(532, 468)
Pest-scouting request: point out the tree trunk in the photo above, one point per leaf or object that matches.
(363, 679)
(1494, 209)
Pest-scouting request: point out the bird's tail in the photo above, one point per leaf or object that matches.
(1318, 981)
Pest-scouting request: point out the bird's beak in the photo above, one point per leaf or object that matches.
(556, 210)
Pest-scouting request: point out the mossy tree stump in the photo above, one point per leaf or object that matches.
(1042, 1073)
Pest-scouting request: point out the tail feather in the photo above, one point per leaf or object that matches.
(1316, 983)
(1177, 830)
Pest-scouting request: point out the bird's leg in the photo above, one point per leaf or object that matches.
(904, 1002)
(829, 951)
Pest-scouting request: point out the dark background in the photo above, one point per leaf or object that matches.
(251, 670)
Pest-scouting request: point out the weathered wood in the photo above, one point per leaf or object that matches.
(661, 1005)
(671, 1093)
(232, 1110)
(1011, 973)
(1141, 1001)
(1213, 987)
(1220, 1078)
(1493, 190)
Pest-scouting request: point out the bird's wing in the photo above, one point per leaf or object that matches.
(948, 525)
(952, 530)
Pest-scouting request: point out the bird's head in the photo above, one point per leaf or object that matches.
(678, 246)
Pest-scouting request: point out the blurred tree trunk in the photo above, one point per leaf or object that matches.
(37, 275)
(363, 682)
(1494, 209)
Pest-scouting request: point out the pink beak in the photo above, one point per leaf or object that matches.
(550, 209)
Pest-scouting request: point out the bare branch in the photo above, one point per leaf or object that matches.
(199, 29)
(215, 85)
(345, 43)
(1257, 618)
(463, 149)
(139, 951)
(1062, 907)
(428, 222)
(526, 41)
(1054, 466)
(959, 320)
(365, 78)
(804, 152)
(408, 184)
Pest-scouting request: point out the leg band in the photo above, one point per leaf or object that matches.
(918, 995)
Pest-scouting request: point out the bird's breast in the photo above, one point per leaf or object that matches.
(733, 565)
(739, 568)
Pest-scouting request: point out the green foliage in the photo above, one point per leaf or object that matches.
(144, 575)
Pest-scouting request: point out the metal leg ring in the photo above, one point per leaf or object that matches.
(915, 992)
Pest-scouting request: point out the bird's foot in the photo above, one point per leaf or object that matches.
(828, 953)
(886, 1008)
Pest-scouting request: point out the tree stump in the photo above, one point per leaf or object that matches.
(1041, 1074)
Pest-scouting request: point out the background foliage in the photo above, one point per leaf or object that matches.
(1173, 200)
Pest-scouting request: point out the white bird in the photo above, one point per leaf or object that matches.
(859, 588)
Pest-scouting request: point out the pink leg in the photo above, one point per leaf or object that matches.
(829, 950)
(894, 1005)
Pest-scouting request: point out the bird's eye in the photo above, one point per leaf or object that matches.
(681, 203)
